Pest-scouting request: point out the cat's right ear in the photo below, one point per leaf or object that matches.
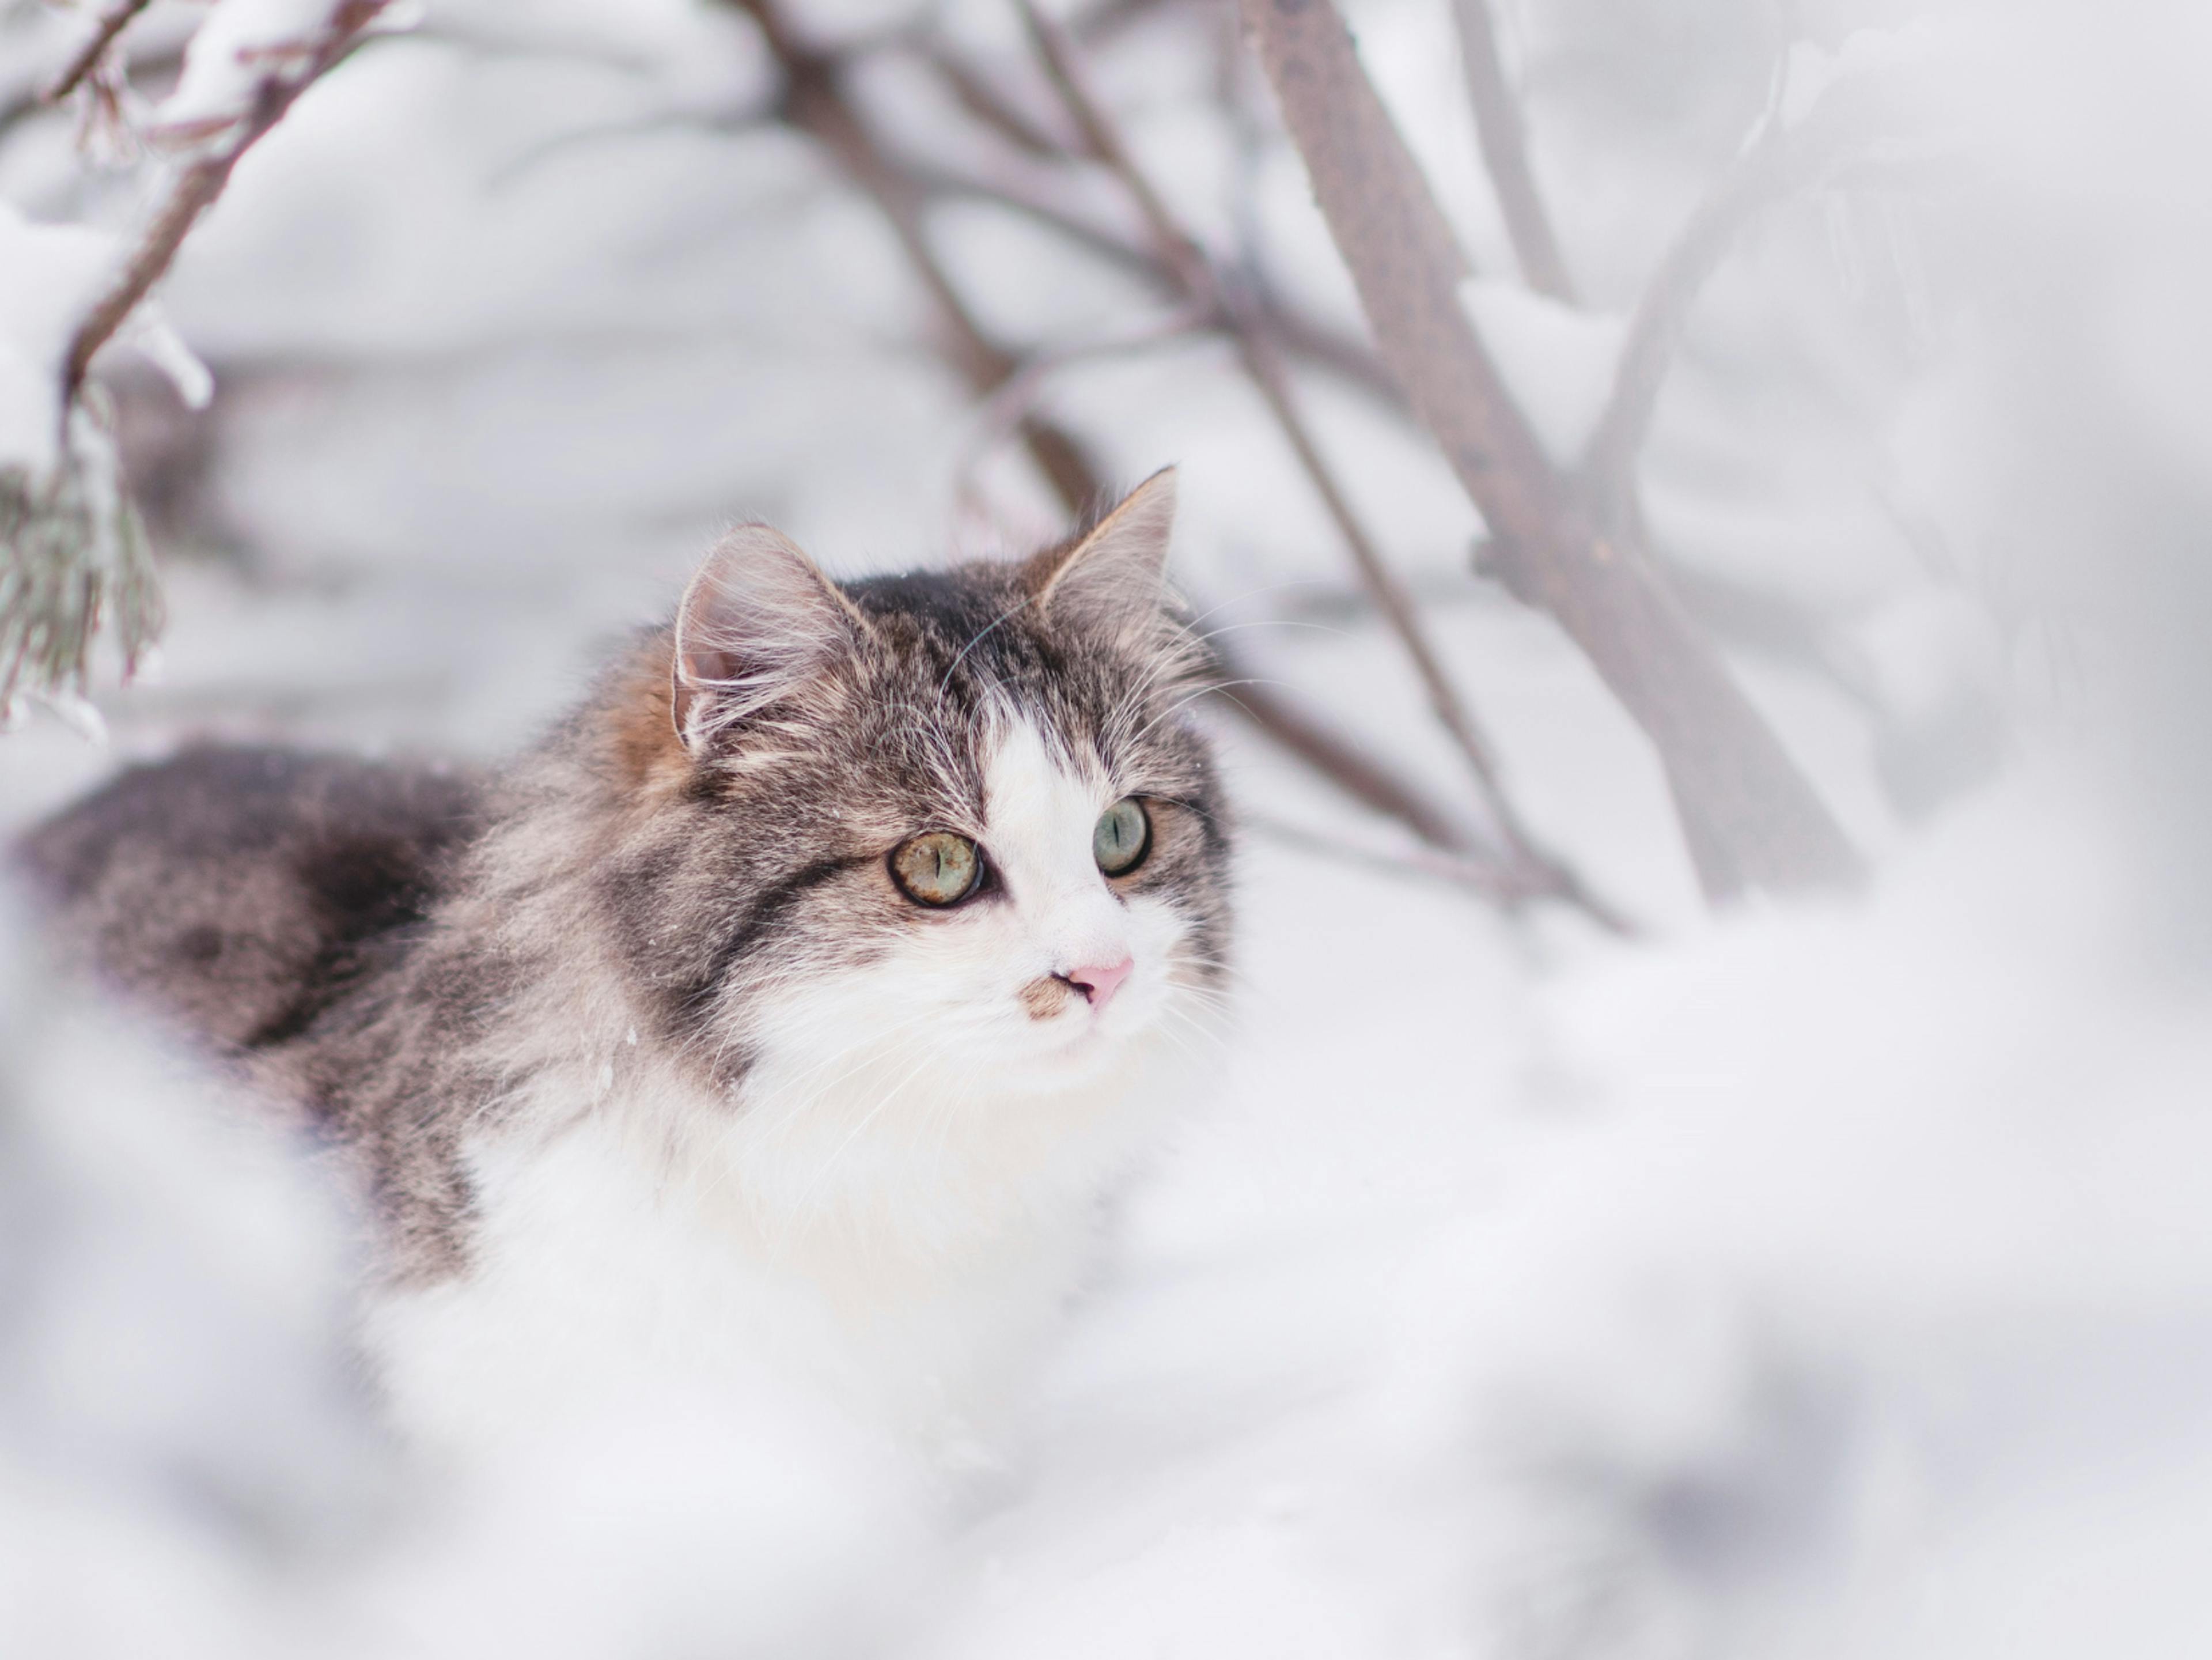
(758, 621)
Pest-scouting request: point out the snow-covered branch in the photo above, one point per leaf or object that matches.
(73, 555)
(105, 32)
(250, 62)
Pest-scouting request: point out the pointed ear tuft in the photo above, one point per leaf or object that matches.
(1114, 581)
(758, 620)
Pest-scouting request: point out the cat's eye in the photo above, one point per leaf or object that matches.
(937, 867)
(1122, 837)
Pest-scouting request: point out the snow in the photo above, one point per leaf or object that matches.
(1810, 70)
(241, 44)
(1710, 1293)
(1822, 1281)
(49, 277)
(189, 1461)
(1558, 361)
(1645, 1315)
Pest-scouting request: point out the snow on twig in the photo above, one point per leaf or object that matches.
(116, 18)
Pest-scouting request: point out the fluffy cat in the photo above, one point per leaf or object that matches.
(790, 1008)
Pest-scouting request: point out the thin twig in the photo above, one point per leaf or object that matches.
(562, 142)
(1419, 865)
(1325, 347)
(1100, 23)
(1505, 154)
(1016, 397)
(981, 97)
(18, 107)
(1019, 192)
(111, 23)
(814, 102)
(1534, 870)
(200, 184)
(32, 101)
(1353, 768)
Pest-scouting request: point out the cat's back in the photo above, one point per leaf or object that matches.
(243, 890)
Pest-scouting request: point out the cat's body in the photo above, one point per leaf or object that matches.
(671, 1052)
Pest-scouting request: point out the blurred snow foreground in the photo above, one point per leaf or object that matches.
(1836, 1283)
(1828, 1279)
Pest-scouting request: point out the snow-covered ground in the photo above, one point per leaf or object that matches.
(1832, 1280)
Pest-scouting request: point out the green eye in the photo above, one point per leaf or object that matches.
(1123, 836)
(937, 867)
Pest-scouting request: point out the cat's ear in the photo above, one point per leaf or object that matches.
(758, 621)
(1113, 582)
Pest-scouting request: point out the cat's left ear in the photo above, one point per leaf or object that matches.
(758, 622)
(1114, 581)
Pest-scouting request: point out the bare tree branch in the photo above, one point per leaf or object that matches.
(17, 108)
(1098, 24)
(814, 102)
(1423, 866)
(1749, 817)
(981, 97)
(1532, 870)
(1015, 397)
(1353, 767)
(1505, 154)
(1320, 343)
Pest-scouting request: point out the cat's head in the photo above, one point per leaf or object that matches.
(958, 826)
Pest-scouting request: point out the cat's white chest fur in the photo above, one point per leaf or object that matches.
(907, 1281)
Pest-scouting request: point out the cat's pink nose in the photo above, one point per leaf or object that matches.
(1099, 984)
